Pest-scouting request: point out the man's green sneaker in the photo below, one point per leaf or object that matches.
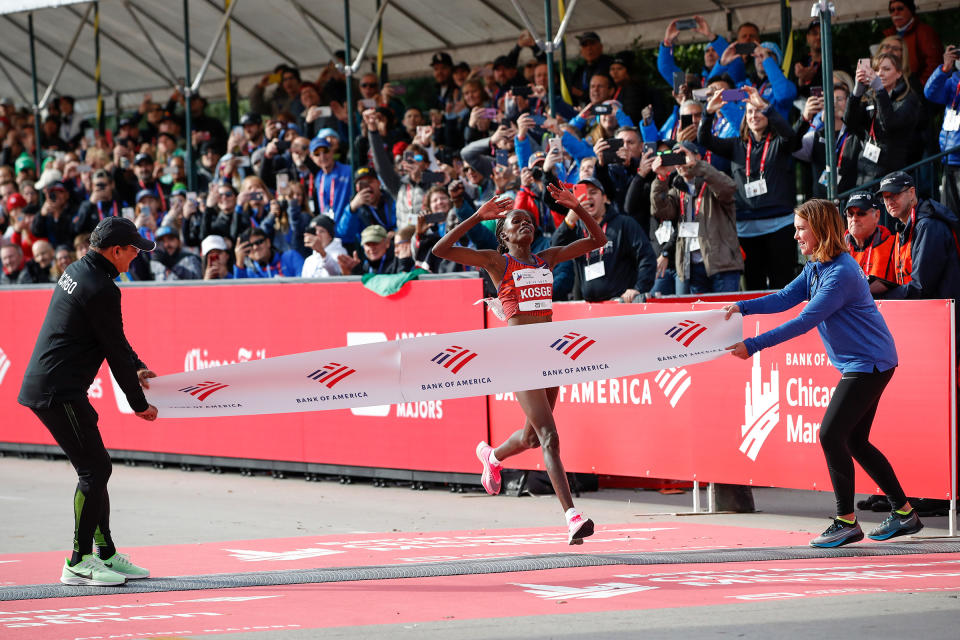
(121, 564)
(90, 571)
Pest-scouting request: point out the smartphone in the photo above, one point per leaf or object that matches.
(84, 168)
(538, 119)
(433, 218)
(237, 131)
(744, 48)
(398, 89)
(191, 196)
(603, 109)
(733, 95)
(555, 143)
(145, 209)
(679, 78)
(256, 196)
(686, 120)
(670, 159)
(523, 91)
(275, 78)
(90, 134)
(325, 112)
(244, 161)
(490, 113)
(503, 157)
(649, 147)
(124, 162)
(282, 181)
(865, 63)
(128, 212)
(683, 25)
(700, 94)
(368, 103)
(431, 178)
(408, 156)
(816, 92)
(484, 72)
(610, 154)
(579, 190)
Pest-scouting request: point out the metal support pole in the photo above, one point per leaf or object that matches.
(696, 496)
(36, 101)
(557, 39)
(232, 106)
(366, 39)
(711, 499)
(187, 92)
(786, 21)
(348, 69)
(549, 29)
(66, 59)
(379, 70)
(213, 46)
(96, 53)
(826, 64)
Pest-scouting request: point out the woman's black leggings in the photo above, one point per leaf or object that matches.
(845, 433)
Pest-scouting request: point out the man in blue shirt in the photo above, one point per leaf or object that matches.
(332, 183)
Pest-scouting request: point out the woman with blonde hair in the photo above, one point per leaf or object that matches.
(883, 112)
(860, 345)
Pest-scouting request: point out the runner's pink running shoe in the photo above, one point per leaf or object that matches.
(490, 479)
(579, 528)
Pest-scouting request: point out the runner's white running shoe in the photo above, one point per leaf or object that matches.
(578, 528)
(490, 479)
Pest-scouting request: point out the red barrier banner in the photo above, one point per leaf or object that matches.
(756, 421)
(185, 328)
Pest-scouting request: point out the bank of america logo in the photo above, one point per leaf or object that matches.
(685, 331)
(331, 374)
(674, 383)
(454, 358)
(573, 344)
(204, 389)
(4, 365)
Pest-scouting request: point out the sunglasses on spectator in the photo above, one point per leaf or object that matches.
(321, 151)
(225, 194)
(100, 185)
(257, 243)
(368, 85)
(298, 149)
(856, 212)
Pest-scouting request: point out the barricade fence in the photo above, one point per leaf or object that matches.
(744, 422)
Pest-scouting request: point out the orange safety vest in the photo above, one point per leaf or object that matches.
(876, 257)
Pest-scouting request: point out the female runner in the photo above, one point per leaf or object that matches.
(859, 344)
(515, 232)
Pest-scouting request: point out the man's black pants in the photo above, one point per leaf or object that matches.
(74, 427)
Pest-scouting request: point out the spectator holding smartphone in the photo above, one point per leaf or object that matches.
(324, 249)
(943, 87)
(847, 146)
(257, 258)
(883, 112)
(762, 164)
(369, 205)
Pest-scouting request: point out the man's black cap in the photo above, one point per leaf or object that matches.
(324, 222)
(592, 181)
(441, 57)
(250, 118)
(141, 158)
(863, 200)
(117, 231)
(364, 172)
(896, 182)
(588, 36)
(209, 145)
(501, 61)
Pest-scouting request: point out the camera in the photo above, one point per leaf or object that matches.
(537, 173)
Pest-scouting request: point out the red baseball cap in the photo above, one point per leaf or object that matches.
(16, 201)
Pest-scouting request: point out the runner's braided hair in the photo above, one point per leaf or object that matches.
(501, 245)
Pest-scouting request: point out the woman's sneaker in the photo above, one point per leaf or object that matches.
(838, 534)
(120, 563)
(90, 571)
(490, 478)
(897, 525)
(578, 528)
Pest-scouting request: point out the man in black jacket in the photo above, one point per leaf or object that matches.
(625, 268)
(83, 326)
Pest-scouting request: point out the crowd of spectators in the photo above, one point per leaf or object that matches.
(692, 173)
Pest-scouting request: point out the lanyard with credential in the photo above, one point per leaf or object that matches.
(841, 146)
(698, 203)
(763, 157)
(163, 201)
(323, 190)
(956, 96)
(603, 248)
(100, 209)
(900, 260)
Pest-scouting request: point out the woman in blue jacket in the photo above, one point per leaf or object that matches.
(859, 344)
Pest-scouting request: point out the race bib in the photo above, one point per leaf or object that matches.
(534, 289)
(755, 188)
(871, 152)
(594, 271)
(689, 230)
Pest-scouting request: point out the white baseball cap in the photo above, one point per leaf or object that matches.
(212, 242)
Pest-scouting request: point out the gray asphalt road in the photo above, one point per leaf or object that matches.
(169, 506)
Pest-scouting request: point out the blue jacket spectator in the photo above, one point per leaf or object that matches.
(256, 258)
(943, 87)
